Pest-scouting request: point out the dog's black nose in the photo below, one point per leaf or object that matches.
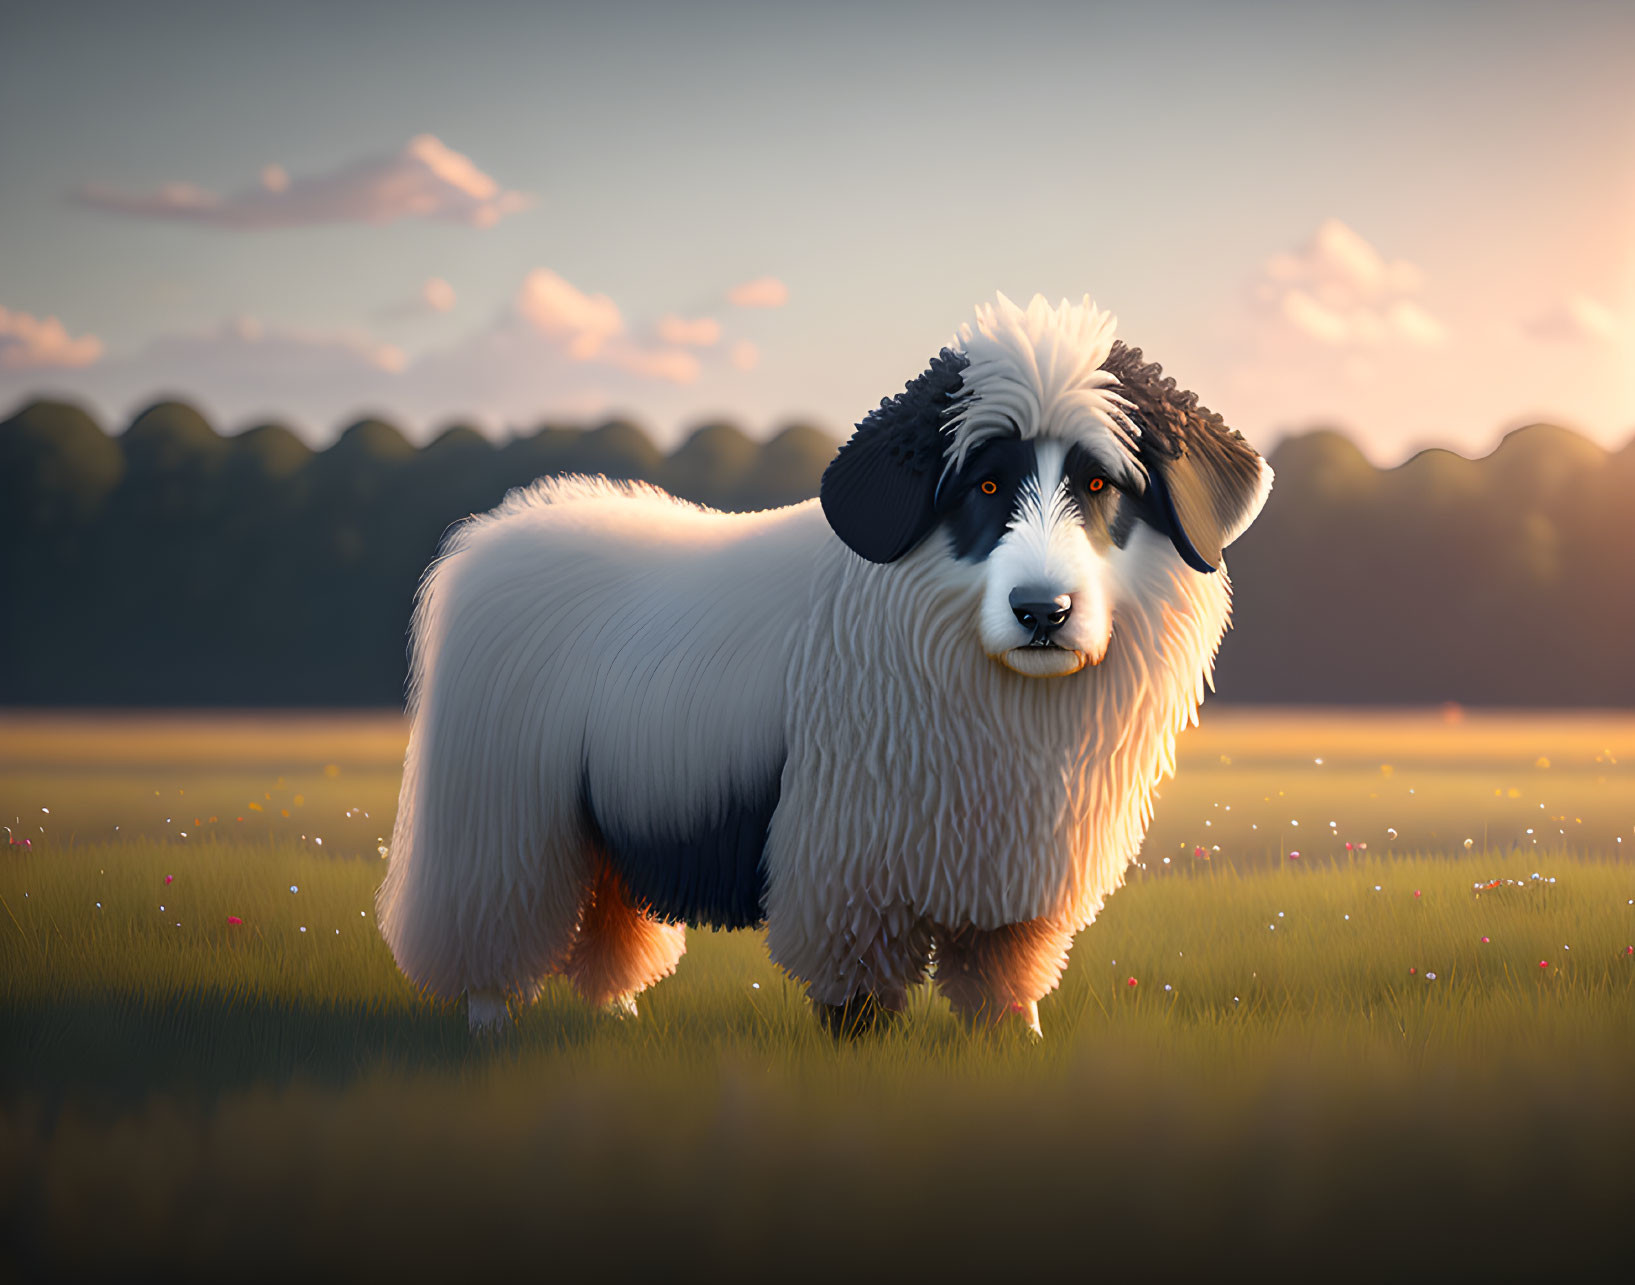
(1044, 616)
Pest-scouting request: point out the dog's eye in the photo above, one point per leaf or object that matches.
(1096, 483)
(989, 486)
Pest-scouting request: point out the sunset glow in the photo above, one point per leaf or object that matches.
(1413, 224)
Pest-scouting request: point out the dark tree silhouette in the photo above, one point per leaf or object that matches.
(170, 565)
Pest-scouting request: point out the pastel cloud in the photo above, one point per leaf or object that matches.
(762, 292)
(1578, 319)
(1410, 321)
(1305, 314)
(554, 349)
(29, 343)
(437, 294)
(434, 296)
(560, 311)
(238, 370)
(1337, 332)
(671, 364)
(425, 180)
(265, 354)
(689, 332)
(590, 328)
(1340, 291)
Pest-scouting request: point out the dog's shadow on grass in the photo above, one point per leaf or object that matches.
(123, 1048)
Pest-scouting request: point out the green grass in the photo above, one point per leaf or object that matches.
(177, 1091)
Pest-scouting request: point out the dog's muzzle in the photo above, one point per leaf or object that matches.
(1048, 661)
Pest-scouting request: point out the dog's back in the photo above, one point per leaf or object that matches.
(599, 670)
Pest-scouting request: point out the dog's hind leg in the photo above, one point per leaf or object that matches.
(992, 976)
(620, 949)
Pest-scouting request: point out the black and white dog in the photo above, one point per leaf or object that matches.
(919, 720)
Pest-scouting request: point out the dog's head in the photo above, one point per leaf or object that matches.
(1042, 447)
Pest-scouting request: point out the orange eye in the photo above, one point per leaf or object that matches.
(1096, 483)
(990, 487)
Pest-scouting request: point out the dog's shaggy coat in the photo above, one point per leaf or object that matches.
(917, 723)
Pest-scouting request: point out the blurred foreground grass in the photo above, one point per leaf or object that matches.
(182, 1095)
(177, 1086)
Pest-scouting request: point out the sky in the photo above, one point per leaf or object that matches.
(1413, 222)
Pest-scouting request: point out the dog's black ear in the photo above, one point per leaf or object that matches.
(879, 493)
(1206, 484)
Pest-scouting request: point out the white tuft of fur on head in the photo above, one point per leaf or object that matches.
(1037, 372)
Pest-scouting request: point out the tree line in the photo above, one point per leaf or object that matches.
(1504, 580)
(171, 565)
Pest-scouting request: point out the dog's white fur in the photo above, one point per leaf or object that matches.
(595, 637)
(926, 782)
(583, 633)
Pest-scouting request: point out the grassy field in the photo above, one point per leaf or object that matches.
(1347, 1063)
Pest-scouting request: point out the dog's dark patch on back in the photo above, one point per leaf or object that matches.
(712, 877)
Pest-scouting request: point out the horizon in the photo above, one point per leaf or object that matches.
(759, 435)
(1412, 225)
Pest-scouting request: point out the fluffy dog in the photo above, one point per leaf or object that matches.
(913, 726)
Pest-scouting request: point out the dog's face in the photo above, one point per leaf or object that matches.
(1038, 522)
(1040, 449)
